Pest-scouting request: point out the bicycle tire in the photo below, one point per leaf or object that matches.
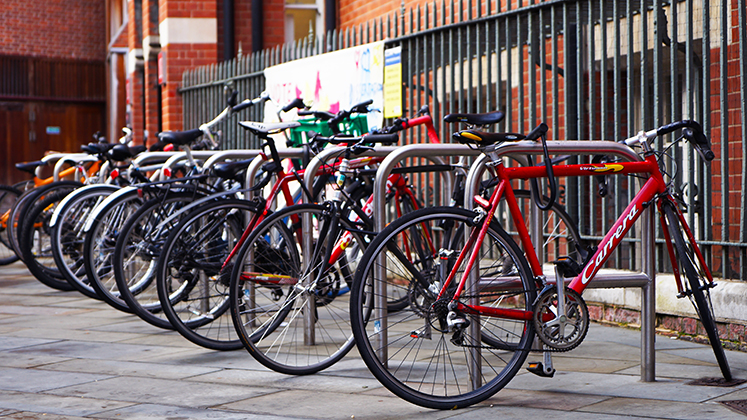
(101, 231)
(192, 289)
(699, 290)
(270, 318)
(416, 338)
(35, 240)
(158, 208)
(67, 235)
(8, 197)
(22, 206)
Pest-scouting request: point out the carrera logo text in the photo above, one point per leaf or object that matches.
(609, 168)
(601, 256)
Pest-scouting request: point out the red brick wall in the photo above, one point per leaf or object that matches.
(186, 9)
(356, 12)
(53, 28)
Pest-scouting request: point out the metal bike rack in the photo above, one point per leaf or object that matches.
(644, 279)
(230, 154)
(379, 209)
(74, 157)
(385, 168)
(179, 156)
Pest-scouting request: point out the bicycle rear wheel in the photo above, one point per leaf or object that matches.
(67, 234)
(290, 316)
(413, 352)
(191, 289)
(697, 285)
(36, 243)
(8, 197)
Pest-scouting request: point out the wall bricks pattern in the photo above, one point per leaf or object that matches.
(53, 28)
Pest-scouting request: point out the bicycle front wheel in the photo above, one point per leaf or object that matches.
(290, 313)
(698, 285)
(429, 353)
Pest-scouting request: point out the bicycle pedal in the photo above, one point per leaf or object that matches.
(567, 267)
(538, 369)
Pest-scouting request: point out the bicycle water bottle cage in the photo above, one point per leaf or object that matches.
(180, 138)
(482, 138)
(476, 119)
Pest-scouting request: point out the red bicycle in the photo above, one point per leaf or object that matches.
(478, 303)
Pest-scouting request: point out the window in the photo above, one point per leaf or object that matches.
(302, 16)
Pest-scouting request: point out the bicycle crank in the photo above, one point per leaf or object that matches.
(561, 331)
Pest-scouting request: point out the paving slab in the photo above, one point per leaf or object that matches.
(31, 380)
(161, 391)
(56, 405)
(628, 386)
(663, 409)
(125, 368)
(331, 405)
(276, 380)
(95, 350)
(157, 411)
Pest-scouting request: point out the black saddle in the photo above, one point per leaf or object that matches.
(231, 170)
(476, 119)
(180, 138)
(30, 167)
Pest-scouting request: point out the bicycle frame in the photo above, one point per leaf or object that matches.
(654, 189)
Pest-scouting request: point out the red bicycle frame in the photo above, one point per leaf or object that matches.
(654, 189)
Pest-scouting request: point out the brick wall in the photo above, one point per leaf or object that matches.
(53, 28)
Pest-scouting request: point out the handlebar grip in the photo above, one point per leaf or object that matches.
(693, 132)
(361, 107)
(381, 138)
(537, 132)
(296, 103)
(243, 105)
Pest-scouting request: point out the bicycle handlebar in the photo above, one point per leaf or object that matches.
(693, 132)
(360, 108)
(537, 132)
(246, 103)
(296, 103)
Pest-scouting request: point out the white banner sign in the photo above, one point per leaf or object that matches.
(331, 82)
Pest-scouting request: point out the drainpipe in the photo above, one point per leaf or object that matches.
(330, 15)
(228, 32)
(257, 18)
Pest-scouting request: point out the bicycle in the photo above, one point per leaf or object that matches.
(291, 272)
(479, 302)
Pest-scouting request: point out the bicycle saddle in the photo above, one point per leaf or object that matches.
(96, 148)
(262, 129)
(180, 138)
(231, 170)
(30, 167)
(121, 152)
(482, 138)
(476, 119)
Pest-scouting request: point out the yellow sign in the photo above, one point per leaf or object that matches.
(393, 82)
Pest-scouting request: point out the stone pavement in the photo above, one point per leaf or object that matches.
(64, 356)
